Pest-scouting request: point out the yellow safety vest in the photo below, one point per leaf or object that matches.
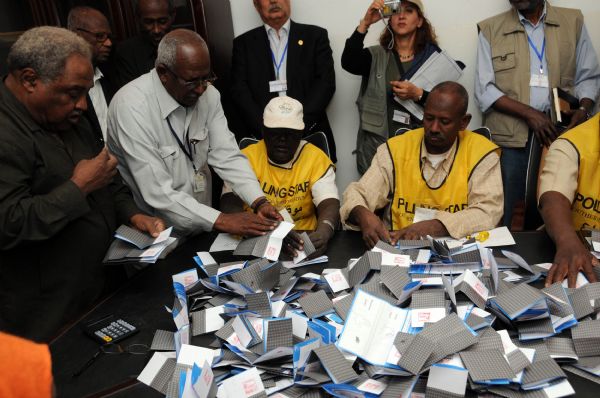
(585, 138)
(411, 189)
(290, 188)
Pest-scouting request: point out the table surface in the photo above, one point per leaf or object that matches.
(143, 299)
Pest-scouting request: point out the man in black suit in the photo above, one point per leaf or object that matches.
(91, 25)
(282, 58)
(136, 55)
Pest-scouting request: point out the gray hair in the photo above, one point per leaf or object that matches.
(46, 49)
(167, 48)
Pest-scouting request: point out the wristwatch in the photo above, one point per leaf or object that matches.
(587, 114)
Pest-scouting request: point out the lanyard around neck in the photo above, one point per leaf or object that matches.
(278, 65)
(538, 53)
(187, 147)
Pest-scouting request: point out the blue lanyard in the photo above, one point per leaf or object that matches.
(539, 54)
(278, 66)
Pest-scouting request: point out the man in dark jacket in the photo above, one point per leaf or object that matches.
(283, 57)
(60, 196)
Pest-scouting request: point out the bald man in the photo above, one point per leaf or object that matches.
(136, 55)
(93, 27)
(442, 167)
(161, 127)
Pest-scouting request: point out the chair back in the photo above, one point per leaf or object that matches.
(484, 131)
(246, 141)
(532, 218)
(319, 139)
(401, 131)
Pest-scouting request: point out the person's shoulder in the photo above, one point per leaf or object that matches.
(134, 93)
(130, 43)
(495, 18)
(250, 34)
(308, 29)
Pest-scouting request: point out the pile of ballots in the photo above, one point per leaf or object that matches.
(426, 316)
(131, 245)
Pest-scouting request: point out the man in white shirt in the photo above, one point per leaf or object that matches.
(91, 25)
(167, 127)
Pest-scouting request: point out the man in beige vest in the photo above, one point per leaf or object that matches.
(522, 54)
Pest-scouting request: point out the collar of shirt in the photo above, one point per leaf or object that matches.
(169, 106)
(290, 164)
(524, 20)
(285, 28)
(448, 157)
(97, 74)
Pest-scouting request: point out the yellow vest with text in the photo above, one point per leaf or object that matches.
(586, 205)
(411, 189)
(290, 188)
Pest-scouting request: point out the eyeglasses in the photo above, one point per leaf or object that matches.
(192, 84)
(113, 349)
(100, 36)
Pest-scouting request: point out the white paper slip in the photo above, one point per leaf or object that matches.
(336, 280)
(154, 366)
(399, 260)
(190, 354)
(373, 386)
(224, 242)
(202, 380)
(186, 278)
(500, 236)
(448, 379)
(420, 316)
(371, 327)
(245, 384)
(423, 214)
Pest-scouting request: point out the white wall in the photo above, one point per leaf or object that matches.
(454, 22)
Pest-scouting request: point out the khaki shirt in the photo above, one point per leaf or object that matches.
(560, 171)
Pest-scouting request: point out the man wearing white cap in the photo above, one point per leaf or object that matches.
(293, 174)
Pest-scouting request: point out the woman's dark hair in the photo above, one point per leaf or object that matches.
(425, 34)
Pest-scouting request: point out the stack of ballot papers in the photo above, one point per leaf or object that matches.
(132, 245)
(429, 317)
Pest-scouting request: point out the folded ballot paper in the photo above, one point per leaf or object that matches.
(132, 245)
(374, 326)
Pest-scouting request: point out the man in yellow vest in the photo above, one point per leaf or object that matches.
(569, 199)
(522, 54)
(438, 180)
(292, 173)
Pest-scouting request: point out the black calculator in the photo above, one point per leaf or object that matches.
(109, 329)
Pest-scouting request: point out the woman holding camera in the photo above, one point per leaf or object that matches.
(387, 101)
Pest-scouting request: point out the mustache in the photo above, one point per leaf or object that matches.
(274, 8)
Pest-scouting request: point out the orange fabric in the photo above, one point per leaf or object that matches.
(25, 368)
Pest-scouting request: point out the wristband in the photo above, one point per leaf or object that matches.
(259, 204)
(329, 223)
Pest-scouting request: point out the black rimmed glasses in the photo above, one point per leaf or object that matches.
(99, 36)
(192, 84)
(113, 349)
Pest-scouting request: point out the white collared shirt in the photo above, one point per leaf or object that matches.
(155, 167)
(279, 42)
(99, 101)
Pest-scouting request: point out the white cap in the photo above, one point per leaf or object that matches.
(284, 112)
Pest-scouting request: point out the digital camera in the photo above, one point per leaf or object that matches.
(390, 7)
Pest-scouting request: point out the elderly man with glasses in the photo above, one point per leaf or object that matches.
(91, 25)
(167, 127)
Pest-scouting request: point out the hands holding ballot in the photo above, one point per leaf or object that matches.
(373, 229)
(264, 219)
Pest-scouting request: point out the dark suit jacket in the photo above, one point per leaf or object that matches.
(134, 57)
(310, 77)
